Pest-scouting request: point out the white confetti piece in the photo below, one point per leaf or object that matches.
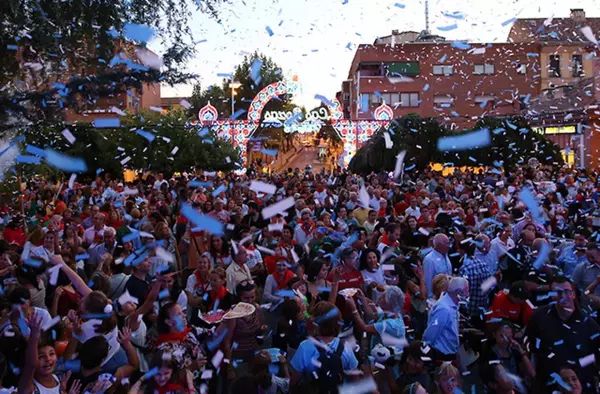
(175, 150)
(72, 180)
(217, 358)
(68, 136)
(488, 284)
(185, 104)
(262, 187)
(53, 274)
(589, 34)
(126, 297)
(388, 140)
(587, 360)
(278, 208)
(163, 254)
(155, 109)
(51, 323)
(388, 267)
(125, 160)
(423, 231)
(363, 196)
(399, 164)
(117, 111)
(366, 385)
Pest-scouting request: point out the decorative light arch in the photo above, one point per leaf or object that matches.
(352, 133)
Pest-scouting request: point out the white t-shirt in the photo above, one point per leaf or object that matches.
(89, 331)
(376, 276)
(39, 389)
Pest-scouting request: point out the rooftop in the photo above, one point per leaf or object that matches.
(553, 29)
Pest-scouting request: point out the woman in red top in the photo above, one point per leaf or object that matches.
(114, 220)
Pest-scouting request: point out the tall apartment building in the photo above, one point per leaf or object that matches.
(454, 82)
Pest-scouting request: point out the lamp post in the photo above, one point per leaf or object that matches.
(233, 85)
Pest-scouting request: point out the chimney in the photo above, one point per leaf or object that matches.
(394, 32)
(578, 14)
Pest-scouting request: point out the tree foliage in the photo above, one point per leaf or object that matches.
(513, 143)
(105, 149)
(68, 42)
(219, 96)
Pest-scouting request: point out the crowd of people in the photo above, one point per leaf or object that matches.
(478, 281)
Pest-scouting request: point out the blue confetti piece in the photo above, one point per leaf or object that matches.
(527, 197)
(508, 22)
(448, 28)
(268, 29)
(147, 135)
(33, 263)
(137, 32)
(163, 294)
(443, 59)
(454, 15)
(511, 125)
(255, 68)
(286, 293)
(269, 152)
(559, 342)
(34, 150)
(219, 190)
(542, 256)
(364, 103)
(225, 75)
(208, 141)
(14, 368)
(203, 132)
(294, 118)
(107, 123)
(150, 373)
(460, 45)
(23, 327)
(477, 139)
(24, 159)
(214, 344)
(426, 87)
(131, 236)
(99, 316)
(324, 100)
(64, 162)
(12, 47)
(532, 54)
(411, 167)
(561, 382)
(399, 5)
(200, 184)
(238, 113)
(179, 324)
(332, 314)
(202, 222)
(83, 256)
(323, 289)
(498, 130)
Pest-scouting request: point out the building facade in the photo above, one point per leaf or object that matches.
(456, 83)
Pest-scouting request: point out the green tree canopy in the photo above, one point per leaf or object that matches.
(513, 143)
(108, 148)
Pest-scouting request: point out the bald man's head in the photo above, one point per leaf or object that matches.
(441, 243)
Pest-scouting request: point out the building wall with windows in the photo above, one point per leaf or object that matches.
(564, 64)
(437, 79)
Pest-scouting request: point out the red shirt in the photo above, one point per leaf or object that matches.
(503, 308)
(17, 235)
(349, 280)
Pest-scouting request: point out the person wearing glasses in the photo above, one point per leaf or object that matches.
(559, 332)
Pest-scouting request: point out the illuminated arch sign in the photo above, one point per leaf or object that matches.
(352, 133)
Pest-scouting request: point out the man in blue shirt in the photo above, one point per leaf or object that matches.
(442, 326)
(437, 261)
(573, 255)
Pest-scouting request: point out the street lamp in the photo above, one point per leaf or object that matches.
(233, 85)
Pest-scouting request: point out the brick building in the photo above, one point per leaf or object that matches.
(454, 82)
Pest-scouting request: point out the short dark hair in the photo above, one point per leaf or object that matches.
(560, 279)
(19, 295)
(93, 351)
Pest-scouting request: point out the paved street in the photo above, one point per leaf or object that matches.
(307, 156)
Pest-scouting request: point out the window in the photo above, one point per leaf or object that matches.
(522, 69)
(394, 99)
(554, 66)
(409, 99)
(577, 65)
(441, 69)
(481, 69)
(410, 69)
(375, 99)
(444, 101)
(386, 98)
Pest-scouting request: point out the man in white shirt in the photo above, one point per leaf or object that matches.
(413, 209)
(503, 242)
(95, 234)
(159, 181)
(486, 253)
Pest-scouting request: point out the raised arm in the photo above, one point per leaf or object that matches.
(77, 282)
(31, 357)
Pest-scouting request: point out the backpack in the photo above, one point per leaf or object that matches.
(327, 377)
